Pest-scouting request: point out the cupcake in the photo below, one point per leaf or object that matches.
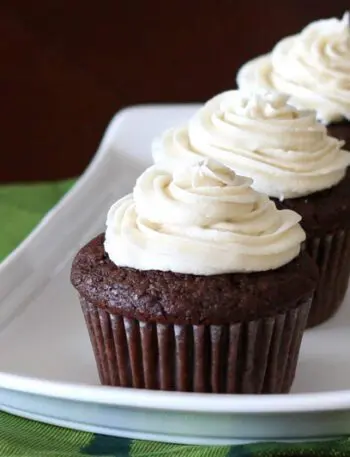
(314, 68)
(290, 157)
(198, 284)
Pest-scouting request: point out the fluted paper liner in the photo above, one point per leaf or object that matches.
(253, 357)
(332, 255)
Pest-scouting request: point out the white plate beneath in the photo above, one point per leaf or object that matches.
(47, 370)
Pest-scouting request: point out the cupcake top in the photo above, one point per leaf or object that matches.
(285, 151)
(313, 67)
(202, 219)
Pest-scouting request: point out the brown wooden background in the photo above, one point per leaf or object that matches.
(68, 66)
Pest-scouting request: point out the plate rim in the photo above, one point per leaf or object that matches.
(179, 401)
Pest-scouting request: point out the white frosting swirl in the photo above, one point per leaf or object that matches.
(203, 220)
(313, 67)
(286, 152)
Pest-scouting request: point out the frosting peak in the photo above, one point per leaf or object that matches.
(338, 30)
(313, 67)
(202, 219)
(206, 175)
(262, 104)
(286, 152)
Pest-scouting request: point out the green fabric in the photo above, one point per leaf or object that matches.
(24, 438)
(21, 208)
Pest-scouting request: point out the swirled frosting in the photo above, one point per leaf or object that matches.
(285, 151)
(202, 219)
(313, 67)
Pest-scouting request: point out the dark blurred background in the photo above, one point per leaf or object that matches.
(68, 66)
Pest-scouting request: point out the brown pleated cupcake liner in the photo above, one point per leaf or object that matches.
(332, 255)
(252, 357)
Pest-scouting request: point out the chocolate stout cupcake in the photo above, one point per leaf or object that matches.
(290, 157)
(314, 68)
(197, 285)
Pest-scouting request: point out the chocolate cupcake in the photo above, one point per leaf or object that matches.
(290, 157)
(314, 68)
(197, 285)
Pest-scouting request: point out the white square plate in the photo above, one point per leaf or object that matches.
(47, 370)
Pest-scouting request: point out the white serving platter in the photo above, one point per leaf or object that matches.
(47, 370)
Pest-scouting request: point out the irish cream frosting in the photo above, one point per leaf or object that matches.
(285, 151)
(200, 219)
(312, 66)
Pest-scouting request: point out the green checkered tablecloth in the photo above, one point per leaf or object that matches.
(21, 208)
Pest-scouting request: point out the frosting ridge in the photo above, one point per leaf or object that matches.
(312, 66)
(201, 219)
(285, 151)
